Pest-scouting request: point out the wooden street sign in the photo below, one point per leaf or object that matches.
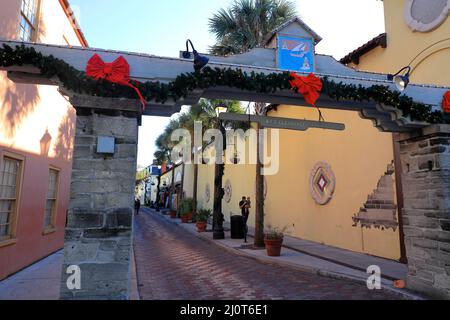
(283, 123)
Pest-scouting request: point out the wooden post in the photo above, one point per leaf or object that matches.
(259, 208)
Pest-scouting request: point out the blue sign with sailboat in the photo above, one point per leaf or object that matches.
(296, 54)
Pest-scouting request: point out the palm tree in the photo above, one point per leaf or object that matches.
(246, 23)
(204, 112)
(242, 27)
(164, 146)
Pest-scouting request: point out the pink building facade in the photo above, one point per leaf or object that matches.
(36, 139)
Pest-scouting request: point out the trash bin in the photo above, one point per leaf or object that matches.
(237, 227)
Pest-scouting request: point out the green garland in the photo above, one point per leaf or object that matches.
(184, 84)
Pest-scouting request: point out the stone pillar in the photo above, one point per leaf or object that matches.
(425, 160)
(98, 235)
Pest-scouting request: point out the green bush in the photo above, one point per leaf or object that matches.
(274, 233)
(187, 206)
(203, 215)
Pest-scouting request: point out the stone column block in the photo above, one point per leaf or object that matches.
(100, 218)
(425, 160)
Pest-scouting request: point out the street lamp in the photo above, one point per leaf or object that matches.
(145, 192)
(45, 143)
(218, 217)
(221, 108)
(158, 190)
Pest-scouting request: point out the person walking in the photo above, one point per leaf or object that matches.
(137, 206)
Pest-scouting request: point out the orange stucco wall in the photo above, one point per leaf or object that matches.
(27, 112)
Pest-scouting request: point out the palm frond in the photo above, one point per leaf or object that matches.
(246, 23)
(222, 23)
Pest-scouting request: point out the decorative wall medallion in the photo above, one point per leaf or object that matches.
(426, 15)
(322, 183)
(207, 193)
(228, 191)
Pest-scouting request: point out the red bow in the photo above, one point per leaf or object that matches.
(116, 72)
(309, 87)
(446, 102)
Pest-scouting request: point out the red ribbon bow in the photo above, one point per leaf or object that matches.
(309, 87)
(116, 72)
(446, 102)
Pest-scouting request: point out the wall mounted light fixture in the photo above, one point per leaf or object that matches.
(402, 78)
(199, 61)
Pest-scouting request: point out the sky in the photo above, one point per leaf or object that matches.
(161, 27)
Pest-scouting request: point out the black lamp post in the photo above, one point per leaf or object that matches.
(158, 190)
(145, 192)
(218, 217)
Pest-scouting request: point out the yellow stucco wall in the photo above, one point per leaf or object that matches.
(188, 186)
(242, 180)
(178, 174)
(205, 177)
(403, 45)
(359, 157)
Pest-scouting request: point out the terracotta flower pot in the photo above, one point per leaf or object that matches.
(185, 218)
(201, 226)
(173, 214)
(273, 247)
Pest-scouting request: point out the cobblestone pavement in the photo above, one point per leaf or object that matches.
(173, 264)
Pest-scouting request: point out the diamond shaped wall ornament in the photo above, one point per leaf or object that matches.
(322, 183)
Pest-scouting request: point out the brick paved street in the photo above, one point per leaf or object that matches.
(172, 264)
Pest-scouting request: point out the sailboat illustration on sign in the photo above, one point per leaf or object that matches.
(298, 49)
(296, 54)
(301, 50)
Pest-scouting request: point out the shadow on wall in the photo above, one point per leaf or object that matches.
(45, 142)
(66, 132)
(8, 29)
(17, 103)
(9, 25)
(19, 100)
(42, 30)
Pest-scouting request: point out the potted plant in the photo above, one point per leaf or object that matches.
(202, 217)
(173, 213)
(187, 207)
(273, 239)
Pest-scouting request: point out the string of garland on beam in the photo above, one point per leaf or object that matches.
(184, 84)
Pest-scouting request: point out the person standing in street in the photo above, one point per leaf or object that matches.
(137, 206)
(245, 205)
